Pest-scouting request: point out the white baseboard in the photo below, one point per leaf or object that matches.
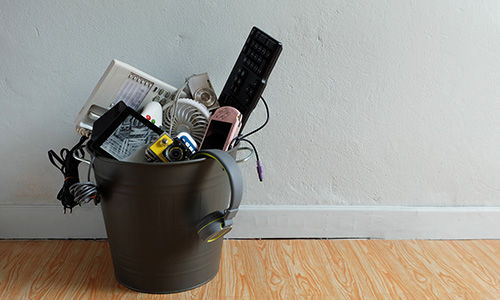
(384, 222)
(271, 221)
(50, 221)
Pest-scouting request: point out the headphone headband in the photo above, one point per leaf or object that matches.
(235, 180)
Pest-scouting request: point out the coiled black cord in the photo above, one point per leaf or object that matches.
(73, 193)
(84, 192)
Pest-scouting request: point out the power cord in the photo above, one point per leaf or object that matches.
(84, 192)
(243, 138)
(73, 193)
(261, 126)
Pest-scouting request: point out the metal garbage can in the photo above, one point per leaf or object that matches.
(150, 212)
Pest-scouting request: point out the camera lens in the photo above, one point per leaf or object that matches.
(205, 96)
(175, 154)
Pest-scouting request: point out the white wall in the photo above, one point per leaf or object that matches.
(373, 103)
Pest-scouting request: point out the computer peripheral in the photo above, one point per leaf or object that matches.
(249, 75)
(121, 82)
(218, 223)
(153, 112)
(223, 127)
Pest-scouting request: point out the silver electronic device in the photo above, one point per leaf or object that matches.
(121, 82)
(202, 91)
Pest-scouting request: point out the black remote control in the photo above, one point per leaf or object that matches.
(250, 73)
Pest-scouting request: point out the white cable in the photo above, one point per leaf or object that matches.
(176, 98)
(84, 192)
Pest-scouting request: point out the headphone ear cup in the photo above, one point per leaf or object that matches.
(211, 227)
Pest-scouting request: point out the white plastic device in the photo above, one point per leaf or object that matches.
(190, 116)
(153, 112)
(121, 82)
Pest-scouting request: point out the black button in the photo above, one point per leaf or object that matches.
(270, 44)
(250, 91)
(261, 38)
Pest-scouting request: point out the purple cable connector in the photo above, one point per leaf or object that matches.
(260, 170)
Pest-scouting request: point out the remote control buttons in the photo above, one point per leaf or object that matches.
(270, 44)
(242, 73)
(238, 80)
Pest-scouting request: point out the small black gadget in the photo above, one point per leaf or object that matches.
(218, 223)
(250, 73)
(121, 131)
(177, 151)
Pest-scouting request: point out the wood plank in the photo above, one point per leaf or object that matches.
(269, 269)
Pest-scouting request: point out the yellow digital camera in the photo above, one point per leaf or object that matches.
(156, 151)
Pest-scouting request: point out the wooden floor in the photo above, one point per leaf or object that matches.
(269, 269)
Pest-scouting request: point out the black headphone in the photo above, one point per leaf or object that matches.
(218, 223)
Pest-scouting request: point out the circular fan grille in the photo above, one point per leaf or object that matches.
(191, 117)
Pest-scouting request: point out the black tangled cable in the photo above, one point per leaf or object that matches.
(243, 138)
(72, 192)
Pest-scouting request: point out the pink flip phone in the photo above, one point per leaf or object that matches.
(224, 125)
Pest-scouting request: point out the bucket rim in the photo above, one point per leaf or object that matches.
(120, 162)
(232, 152)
